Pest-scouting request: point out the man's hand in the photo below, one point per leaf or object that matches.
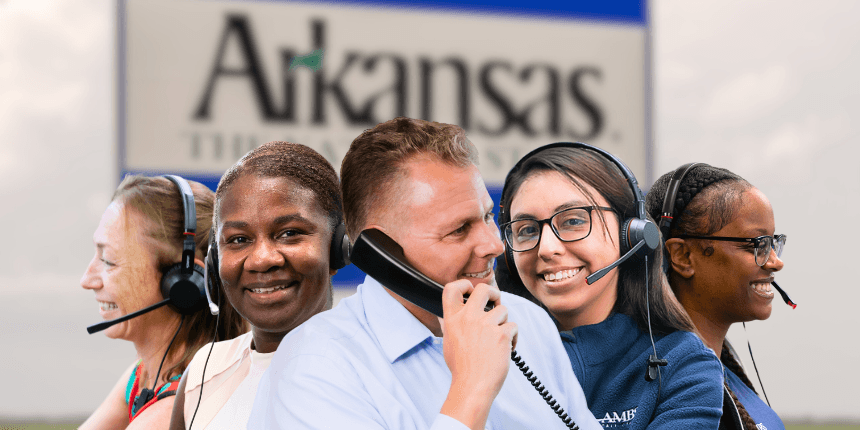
(477, 347)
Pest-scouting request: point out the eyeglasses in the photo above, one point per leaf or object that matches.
(568, 225)
(762, 244)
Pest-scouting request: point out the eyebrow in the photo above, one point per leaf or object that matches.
(234, 224)
(291, 217)
(559, 208)
(283, 219)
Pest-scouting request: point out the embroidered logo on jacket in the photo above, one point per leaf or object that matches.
(613, 419)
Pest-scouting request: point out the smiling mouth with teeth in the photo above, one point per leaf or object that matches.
(561, 274)
(268, 290)
(479, 275)
(105, 306)
(763, 289)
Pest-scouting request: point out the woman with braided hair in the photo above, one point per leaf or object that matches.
(721, 255)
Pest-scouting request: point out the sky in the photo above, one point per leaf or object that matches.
(766, 88)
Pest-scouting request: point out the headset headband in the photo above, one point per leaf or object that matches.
(628, 174)
(190, 227)
(671, 194)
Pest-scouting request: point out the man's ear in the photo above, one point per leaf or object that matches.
(378, 227)
(679, 257)
(200, 263)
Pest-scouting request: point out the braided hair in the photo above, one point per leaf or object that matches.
(707, 200)
(728, 359)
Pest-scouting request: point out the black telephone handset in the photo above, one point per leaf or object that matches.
(382, 258)
(379, 256)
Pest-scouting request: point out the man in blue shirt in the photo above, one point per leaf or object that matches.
(377, 361)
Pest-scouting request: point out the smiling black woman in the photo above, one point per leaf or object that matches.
(722, 254)
(277, 216)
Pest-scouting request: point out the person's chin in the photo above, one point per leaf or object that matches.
(116, 332)
(763, 312)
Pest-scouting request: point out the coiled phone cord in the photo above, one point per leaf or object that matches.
(547, 397)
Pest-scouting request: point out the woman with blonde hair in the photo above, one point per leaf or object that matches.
(138, 242)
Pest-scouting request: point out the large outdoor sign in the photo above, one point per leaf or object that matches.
(201, 82)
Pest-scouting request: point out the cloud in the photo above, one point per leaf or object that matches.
(52, 57)
(676, 73)
(748, 97)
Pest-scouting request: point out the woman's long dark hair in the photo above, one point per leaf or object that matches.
(585, 167)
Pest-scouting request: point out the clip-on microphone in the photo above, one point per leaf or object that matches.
(143, 398)
(653, 364)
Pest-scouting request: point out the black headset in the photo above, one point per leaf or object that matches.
(183, 282)
(639, 236)
(338, 258)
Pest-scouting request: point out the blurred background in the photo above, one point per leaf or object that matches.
(92, 89)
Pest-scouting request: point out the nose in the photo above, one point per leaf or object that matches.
(549, 244)
(264, 256)
(91, 280)
(490, 241)
(774, 263)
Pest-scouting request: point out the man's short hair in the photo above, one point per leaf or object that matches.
(374, 162)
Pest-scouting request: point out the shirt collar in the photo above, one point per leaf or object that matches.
(395, 328)
(604, 337)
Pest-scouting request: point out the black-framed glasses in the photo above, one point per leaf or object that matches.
(569, 225)
(762, 244)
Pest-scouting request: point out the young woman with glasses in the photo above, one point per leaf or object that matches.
(561, 215)
(722, 254)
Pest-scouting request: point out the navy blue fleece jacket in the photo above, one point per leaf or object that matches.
(610, 361)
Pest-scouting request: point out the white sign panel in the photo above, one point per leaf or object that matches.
(201, 83)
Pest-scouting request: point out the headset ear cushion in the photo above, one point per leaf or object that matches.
(625, 236)
(184, 291)
(214, 284)
(635, 230)
(339, 251)
(512, 266)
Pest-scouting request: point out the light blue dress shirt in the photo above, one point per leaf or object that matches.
(370, 364)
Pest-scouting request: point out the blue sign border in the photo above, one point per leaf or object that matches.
(619, 11)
